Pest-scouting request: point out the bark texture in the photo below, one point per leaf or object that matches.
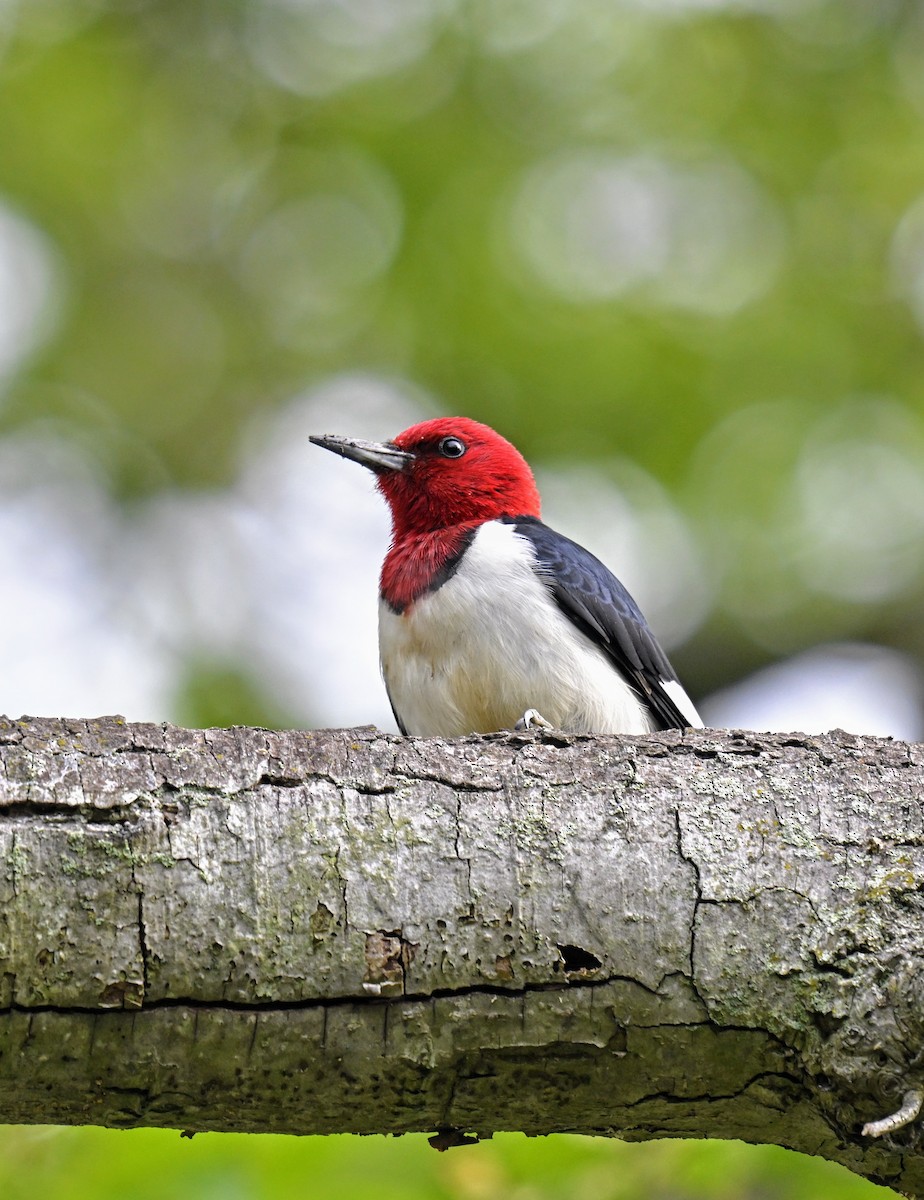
(699, 934)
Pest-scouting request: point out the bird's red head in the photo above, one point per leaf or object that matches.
(459, 472)
(442, 479)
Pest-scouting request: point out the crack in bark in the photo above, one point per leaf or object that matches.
(571, 983)
(143, 947)
(280, 781)
(681, 1098)
(697, 891)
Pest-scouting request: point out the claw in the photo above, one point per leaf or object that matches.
(533, 719)
(912, 1102)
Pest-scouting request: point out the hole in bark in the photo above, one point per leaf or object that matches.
(826, 1023)
(388, 956)
(575, 959)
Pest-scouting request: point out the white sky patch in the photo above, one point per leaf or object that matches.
(907, 258)
(30, 282)
(68, 642)
(186, 566)
(317, 47)
(860, 501)
(594, 227)
(514, 26)
(277, 575)
(852, 686)
(323, 531)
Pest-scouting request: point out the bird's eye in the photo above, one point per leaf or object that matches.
(451, 447)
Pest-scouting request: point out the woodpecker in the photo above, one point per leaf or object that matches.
(489, 619)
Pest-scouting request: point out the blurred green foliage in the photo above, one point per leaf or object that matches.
(689, 234)
(244, 196)
(66, 1164)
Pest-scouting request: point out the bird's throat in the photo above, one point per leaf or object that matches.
(420, 563)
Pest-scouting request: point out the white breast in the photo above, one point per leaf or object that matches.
(472, 656)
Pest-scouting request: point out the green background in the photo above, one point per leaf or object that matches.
(671, 246)
(157, 1165)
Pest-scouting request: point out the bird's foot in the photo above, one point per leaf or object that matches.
(912, 1103)
(533, 719)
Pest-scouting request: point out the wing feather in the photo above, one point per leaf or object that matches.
(591, 596)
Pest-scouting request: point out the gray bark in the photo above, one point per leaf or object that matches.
(698, 934)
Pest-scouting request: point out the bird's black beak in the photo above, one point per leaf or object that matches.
(377, 456)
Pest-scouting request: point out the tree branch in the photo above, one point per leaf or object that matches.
(698, 934)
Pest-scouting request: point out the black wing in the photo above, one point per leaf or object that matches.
(591, 596)
(398, 720)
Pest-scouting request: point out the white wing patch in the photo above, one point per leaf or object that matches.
(675, 692)
(472, 656)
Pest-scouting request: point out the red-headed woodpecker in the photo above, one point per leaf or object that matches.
(488, 618)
